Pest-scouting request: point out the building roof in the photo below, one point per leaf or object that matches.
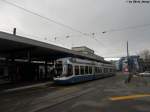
(18, 46)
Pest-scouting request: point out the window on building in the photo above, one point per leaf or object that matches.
(76, 70)
(82, 70)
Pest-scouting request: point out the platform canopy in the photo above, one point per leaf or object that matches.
(20, 47)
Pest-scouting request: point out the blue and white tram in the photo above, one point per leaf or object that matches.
(74, 70)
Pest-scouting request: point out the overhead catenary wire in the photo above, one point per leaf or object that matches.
(46, 18)
(69, 27)
(51, 20)
(127, 28)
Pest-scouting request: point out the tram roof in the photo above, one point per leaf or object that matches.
(19, 46)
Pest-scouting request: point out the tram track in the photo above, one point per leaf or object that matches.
(85, 89)
(48, 96)
(49, 103)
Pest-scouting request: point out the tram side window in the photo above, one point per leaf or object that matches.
(105, 70)
(96, 70)
(90, 70)
(70, 70)
(100, 70)
(86, 70)
(110, 70)
(76, 70)
(82, 70)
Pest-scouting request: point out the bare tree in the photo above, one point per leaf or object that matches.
(145, 54)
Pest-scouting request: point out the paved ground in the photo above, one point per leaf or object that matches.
(104, 95)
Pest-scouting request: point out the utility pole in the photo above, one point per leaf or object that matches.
(128, 61)
(127, 50)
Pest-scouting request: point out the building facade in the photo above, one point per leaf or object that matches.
(134, 63)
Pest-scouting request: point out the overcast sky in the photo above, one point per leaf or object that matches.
(87, 16)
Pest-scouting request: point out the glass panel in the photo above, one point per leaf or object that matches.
(90, 70)
(70, 70)
(76, 70)
(82, 70)
(96, 69)
(110, 70)
(100, 70)
(59, 68)
(86, 70)
(105, 70)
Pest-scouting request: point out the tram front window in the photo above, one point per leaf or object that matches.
(70, 70)
(76, 70)
(59, 68)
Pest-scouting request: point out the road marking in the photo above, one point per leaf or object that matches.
(128, 97)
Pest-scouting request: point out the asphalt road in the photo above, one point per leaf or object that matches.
(103, 95)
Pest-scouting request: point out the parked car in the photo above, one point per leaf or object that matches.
(146, 74)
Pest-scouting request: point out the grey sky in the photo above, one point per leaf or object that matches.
(87, 16)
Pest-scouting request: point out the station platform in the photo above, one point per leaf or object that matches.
(10, 87)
